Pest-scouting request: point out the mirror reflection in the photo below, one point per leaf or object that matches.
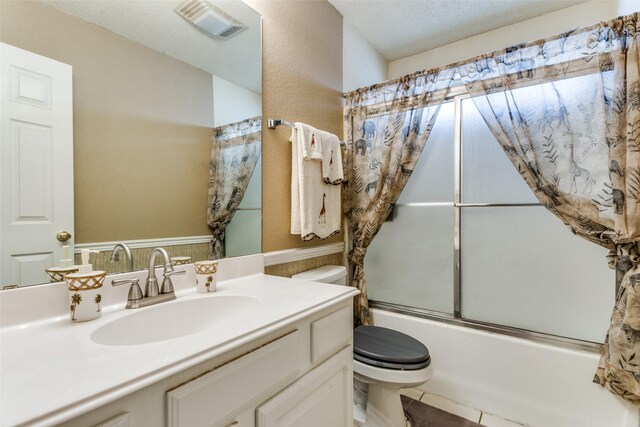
(131, 122)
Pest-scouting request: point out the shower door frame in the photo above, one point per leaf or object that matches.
(456, 96)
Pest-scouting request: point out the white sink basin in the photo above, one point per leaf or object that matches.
(175, 319)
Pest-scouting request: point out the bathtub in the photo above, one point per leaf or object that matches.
(527, 382)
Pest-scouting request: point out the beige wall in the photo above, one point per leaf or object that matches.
(302, 81)
(142, 127)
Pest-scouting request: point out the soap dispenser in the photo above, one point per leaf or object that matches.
(85, 291)
(56, 274)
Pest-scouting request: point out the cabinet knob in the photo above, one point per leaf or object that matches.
(235, 423)
(63, 236)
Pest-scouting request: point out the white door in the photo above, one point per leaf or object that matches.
(36, 164)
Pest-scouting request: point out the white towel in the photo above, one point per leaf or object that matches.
(331, 159)
(309, 141)
(315, 206)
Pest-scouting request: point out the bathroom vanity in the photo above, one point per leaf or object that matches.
(261, 351)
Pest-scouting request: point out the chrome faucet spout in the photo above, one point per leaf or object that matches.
(115, 254)
(151, 286)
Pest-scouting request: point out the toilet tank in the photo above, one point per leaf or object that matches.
(336, 274)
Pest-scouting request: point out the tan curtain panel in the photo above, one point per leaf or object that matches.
(386, 128)
(235, 152)
(566, 111)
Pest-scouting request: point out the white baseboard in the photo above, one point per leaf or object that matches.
(298, 254)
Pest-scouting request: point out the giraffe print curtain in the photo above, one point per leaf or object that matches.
(386, 128)
(235, 152)
(566, 111)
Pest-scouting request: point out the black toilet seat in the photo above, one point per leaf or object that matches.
(386, 348)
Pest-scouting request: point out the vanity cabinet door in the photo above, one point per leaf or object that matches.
(331, 333)
(228, 395)
(321, 398)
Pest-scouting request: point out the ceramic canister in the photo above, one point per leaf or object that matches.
(206, 276)
(57, 274)
(85, 295)
(180, 260)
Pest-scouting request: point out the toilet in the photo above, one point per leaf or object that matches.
(384, 362)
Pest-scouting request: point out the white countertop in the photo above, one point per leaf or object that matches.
(51, 371)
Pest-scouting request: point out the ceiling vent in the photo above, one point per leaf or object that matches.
(210, 19)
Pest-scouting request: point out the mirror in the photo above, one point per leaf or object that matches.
(149, 91)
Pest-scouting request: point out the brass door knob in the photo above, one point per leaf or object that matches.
(63, 236)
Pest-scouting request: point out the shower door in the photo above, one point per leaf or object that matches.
(471, 244)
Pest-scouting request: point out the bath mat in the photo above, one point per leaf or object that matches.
(422, 415)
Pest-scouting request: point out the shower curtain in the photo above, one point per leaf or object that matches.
(235, 152)
(566, 111)
(386, 128)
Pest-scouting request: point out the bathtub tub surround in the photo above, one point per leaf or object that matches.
(523, 381)
(384, 142)
(196, 346)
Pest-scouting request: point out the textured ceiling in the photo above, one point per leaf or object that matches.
(154, 23)
(401, 28)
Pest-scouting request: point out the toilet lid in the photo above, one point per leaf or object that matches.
(390, 349)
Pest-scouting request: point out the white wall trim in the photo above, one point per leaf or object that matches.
(144, 243)
(298, 254)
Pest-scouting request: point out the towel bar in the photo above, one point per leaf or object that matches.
(274, 123)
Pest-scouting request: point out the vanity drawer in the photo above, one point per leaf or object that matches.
(212, 397)
(331, 333)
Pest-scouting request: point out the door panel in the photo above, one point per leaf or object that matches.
(36, 164)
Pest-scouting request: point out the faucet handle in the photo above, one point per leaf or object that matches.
(135, 293)
(167, 284)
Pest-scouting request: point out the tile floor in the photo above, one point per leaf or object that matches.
(461, 410)
(420, 414)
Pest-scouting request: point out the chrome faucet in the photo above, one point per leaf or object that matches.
(151, 286)
(152, 295)
(115, 254)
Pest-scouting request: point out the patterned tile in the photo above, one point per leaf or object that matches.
(290, 268)
(101, 261)
(422, 415)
